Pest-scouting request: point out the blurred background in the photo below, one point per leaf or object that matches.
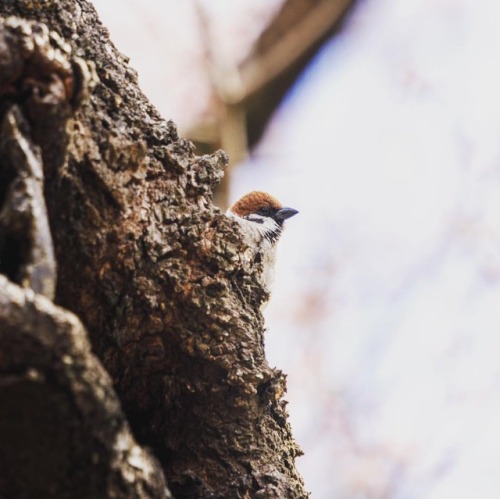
(379, 120)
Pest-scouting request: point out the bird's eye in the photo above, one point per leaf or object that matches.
(264, 211)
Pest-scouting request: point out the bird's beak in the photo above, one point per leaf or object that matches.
(285, 213)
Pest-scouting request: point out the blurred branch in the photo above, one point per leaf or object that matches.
(282, 52)
(246, 94)
(228, 130)
(298, 27)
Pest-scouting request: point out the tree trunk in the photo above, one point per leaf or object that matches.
(158, 276)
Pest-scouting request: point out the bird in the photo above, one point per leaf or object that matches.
(261, 218)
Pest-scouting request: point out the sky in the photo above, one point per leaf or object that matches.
(386, 308)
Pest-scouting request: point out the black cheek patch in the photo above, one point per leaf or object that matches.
(274, 235)
(255, 219)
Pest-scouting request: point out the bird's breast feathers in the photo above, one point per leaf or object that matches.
(256, 238)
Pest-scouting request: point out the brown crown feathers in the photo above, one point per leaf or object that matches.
(253, 201)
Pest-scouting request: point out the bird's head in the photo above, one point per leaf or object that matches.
(263, 210)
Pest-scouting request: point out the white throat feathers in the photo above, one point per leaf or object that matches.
(261, 218)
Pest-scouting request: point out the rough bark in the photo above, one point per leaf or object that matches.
(62, 432)
(160, 278)
(26, 252)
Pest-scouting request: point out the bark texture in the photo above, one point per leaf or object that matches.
(160, 278)
(62, 432)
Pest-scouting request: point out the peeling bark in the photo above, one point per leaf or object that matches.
(158, 276)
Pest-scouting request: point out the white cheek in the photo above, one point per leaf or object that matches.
(270, 225)
(263, 225)
(255, 227)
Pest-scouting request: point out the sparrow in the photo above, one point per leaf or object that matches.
(261, 218)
